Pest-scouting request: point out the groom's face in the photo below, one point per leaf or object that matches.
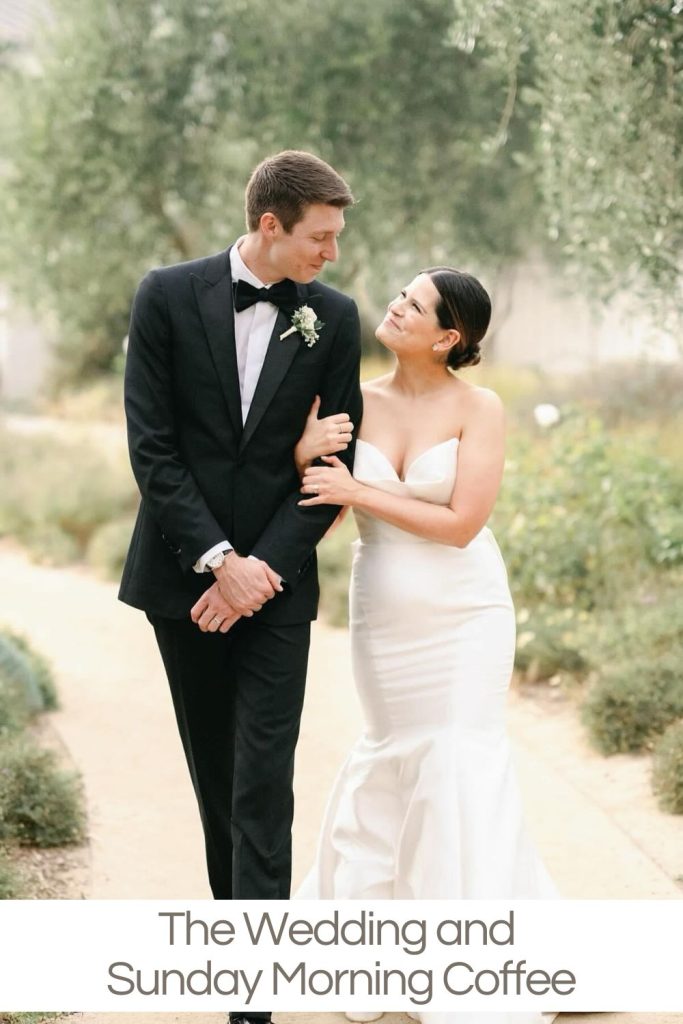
(303, 252)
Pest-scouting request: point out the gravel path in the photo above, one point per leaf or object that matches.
(594, 819)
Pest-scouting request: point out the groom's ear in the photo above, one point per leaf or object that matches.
(270, 225)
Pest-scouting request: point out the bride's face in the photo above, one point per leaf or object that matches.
(410, 324)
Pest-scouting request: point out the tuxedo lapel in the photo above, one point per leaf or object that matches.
(279, 356)
(213, 293)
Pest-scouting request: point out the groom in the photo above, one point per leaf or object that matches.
(218, 385)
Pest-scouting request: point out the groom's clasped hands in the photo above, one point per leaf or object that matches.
(242, 587)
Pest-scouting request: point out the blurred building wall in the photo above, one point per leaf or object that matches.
(552, 327)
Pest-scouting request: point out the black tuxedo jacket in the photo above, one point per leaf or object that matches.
(202, 476)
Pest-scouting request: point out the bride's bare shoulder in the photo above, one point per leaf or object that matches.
(479, 401)
(377, 388)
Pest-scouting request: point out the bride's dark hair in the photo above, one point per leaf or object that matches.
(463, 304)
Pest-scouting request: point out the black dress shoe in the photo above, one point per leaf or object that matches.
(247, 1018)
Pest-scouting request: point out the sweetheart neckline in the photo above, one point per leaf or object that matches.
(407, 470)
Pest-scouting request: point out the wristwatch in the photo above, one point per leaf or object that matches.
(216, 561)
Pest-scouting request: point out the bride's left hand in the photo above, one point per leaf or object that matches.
(331, 484)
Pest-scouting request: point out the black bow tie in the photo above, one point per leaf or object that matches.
(283, 294)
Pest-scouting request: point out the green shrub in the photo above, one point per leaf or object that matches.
(11, 884)
(14, 711)
(634, 701)
(583, 516)
(667, 769)
(40, 804)
(334, 561)
(56, 494)
(549, 642)
(26, 685)
(650, 622)
(38, 666)
(108, 547)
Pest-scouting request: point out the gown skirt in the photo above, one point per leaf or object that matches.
(427, 804)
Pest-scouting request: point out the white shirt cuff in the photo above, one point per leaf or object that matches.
(200, 564)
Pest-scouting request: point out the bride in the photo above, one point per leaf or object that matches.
(427, 804)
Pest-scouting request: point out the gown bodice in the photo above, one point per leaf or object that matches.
(429, 477)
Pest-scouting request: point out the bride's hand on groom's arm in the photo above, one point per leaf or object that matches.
(330, 485)
(212, 613)
(322, 437)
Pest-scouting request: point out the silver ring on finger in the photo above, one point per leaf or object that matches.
(216, 621)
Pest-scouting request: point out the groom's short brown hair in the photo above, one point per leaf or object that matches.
(285, 184)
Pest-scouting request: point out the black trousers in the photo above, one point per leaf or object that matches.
(238, 699)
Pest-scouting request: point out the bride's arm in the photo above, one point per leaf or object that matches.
(480, 469)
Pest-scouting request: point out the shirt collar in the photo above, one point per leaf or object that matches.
(239, 271)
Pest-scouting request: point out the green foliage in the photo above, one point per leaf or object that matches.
(20, 695)
(11, 886)
(133, 145)
(633, 701)
(28, 1018)
(550, 642)
(607, 94)
(40, 804)
(583, 517)
(20, 664)
(109, 545)
(667, 769)
(334, 564)
(57, 494)
(650, 622)
(26, 684)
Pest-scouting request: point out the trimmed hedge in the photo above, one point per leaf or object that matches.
(667, 769)
(40, 804)
(633, 702)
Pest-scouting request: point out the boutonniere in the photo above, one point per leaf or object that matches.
(305, 321)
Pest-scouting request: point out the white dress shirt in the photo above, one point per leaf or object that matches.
(253, 328)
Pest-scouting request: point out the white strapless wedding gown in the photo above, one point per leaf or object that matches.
(427, 804)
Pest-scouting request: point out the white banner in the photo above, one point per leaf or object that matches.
(137, 955)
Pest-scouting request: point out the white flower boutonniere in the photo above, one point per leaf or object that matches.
(305, 321)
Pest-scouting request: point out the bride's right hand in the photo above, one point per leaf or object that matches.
(322, 437)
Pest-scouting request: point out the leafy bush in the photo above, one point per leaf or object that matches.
(11, 886)
(24, 675)
(583, 517)
(667, 769)
(40, 804)
(550, 642)
(108, 547)
(56, 494)
(334, 561)
(633, 701)
(650, 622)
(14, 711)
(26, 685)
(38, 667)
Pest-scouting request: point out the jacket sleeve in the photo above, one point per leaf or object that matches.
(168, 488)
(290, 537)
